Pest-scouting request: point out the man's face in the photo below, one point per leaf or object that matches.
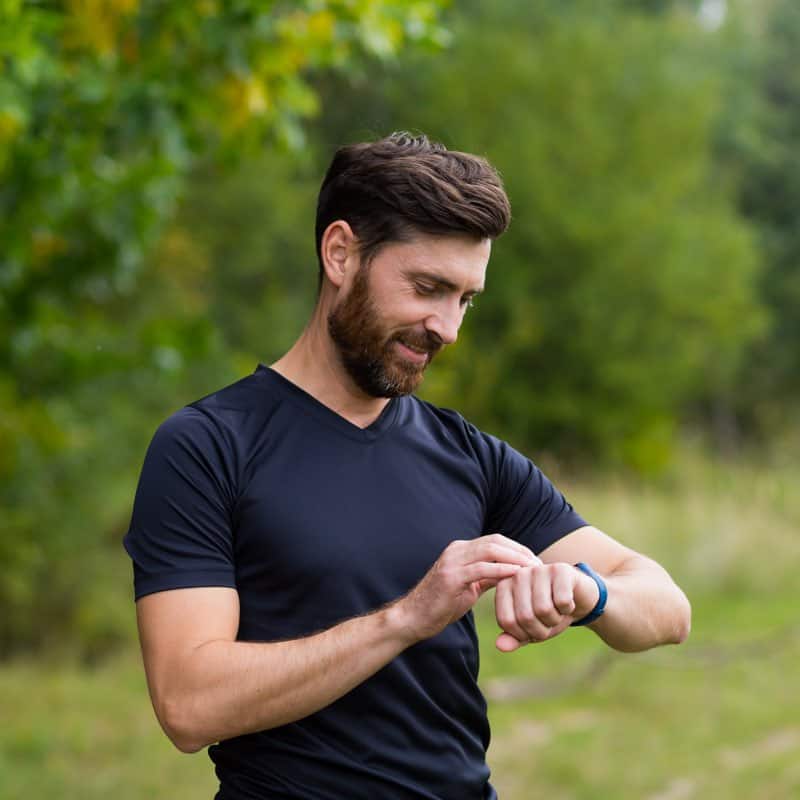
(403, 307)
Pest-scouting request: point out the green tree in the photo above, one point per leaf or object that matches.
(106, 107)
(626, 284)
(764, 143)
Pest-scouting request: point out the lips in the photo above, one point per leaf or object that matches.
(412, 353)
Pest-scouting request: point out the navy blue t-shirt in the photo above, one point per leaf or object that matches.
(261, 488)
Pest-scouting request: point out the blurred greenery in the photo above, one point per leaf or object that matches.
(626, 285)
(106, 109)
(159, 164)
(765, 150)
(715, 719)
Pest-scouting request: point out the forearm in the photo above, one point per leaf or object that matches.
(229, 688)
(206, 686)
(645, 607)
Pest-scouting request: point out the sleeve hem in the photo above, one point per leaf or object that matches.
(551, 535)
(182, 580)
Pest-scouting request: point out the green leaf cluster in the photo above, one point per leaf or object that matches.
(159, 165)
(762, 142)
(626, 287)
(106, 108)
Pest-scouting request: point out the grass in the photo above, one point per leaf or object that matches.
(718, 717)
(77, 734)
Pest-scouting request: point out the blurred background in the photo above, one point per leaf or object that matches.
(639, 339)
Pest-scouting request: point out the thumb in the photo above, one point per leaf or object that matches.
(506, 643)
(485, 584)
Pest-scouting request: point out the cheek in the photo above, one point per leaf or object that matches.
(405, 311)
(415, 313)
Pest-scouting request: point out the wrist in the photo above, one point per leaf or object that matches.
(399, 624)
(602, 596)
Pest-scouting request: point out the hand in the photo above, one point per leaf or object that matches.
(461, 574)
(541, 601)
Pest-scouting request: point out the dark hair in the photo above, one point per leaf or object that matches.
(392, 188)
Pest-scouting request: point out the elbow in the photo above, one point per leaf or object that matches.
(683, 620)
(672, 626)
(179, 725)
(186, 744)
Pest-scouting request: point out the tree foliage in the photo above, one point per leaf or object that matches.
(106, 107)
(765, 147)
(156, 215)
(626, 284)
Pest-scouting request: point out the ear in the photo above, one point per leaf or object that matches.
(339, 251)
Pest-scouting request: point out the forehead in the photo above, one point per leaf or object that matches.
(456, 259)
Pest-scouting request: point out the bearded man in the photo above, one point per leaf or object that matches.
(308, 543)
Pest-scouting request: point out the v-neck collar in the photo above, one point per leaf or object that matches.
(308, 403)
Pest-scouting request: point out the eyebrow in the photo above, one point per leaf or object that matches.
(441, 281)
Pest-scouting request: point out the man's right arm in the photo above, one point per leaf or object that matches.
(206, 686)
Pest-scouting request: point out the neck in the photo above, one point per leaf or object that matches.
(313, 364)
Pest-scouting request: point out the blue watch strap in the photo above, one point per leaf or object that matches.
(600, 606)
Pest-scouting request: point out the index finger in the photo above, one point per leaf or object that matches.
(512, 543)
(492, 550)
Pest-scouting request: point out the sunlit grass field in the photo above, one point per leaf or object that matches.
(718, 717)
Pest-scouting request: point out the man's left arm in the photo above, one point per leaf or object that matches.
(644, 608)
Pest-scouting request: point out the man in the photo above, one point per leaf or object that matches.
(308, 542)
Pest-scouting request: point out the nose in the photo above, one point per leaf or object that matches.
(445, 323)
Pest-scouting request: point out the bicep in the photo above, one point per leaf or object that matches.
(599, 550)
(172, 624)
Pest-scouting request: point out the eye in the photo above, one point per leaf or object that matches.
(468, 302)
(424, 289)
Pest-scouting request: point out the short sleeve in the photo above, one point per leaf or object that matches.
(523, 504)
(181, 534)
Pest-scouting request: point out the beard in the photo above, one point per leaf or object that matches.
(368, 350)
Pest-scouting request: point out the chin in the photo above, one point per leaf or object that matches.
(391, 386)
